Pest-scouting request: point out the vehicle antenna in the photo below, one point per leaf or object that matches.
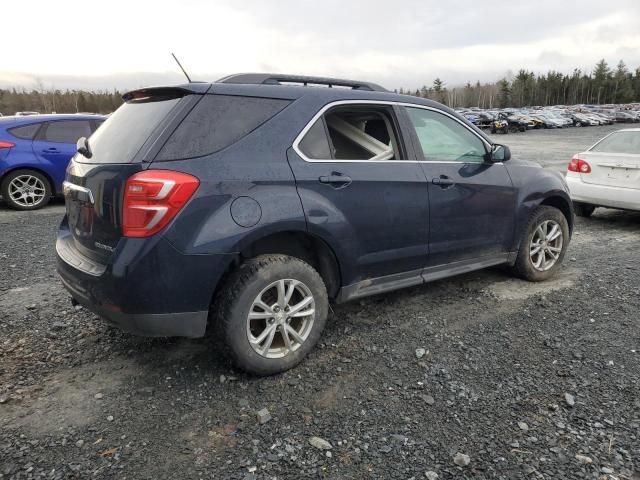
(181, 68)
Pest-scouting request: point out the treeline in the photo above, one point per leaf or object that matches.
(67, 101)
(603, 85)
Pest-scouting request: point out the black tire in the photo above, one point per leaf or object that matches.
(493, 130)
(236, 299)
(11, 176)
(524, 265)
(583, 209)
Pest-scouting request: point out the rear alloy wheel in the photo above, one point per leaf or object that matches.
(25, 190)
(273, 310)
(583, 209)
(281, 318)
(543, 245)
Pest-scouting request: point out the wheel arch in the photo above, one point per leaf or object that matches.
(564, 205)
(303, 245)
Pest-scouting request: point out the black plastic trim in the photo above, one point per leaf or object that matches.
(397, 281)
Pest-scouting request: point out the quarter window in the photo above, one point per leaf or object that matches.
(67, 131)
(26, 132)
(216, 122)
(355, 132)
(445, 140)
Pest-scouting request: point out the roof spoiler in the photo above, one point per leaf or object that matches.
(278, 79)
(167, 91)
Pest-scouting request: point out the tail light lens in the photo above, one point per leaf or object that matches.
(153, 198)
(4, 144)
(579, 166)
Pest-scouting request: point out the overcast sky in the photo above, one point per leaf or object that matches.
(126, 44)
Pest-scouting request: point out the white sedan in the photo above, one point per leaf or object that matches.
(607, 174)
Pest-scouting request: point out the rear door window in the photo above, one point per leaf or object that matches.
(358, 132)
(315, 143)
(66, 131)
(25, 132)
(216, 122)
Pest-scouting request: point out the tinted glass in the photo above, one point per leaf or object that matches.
(26, 132)
(315, 144)
(620, 142)
(122, 135)
(66, 131)
(444, 139)
(216, 122)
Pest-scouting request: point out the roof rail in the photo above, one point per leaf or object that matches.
(278, 79)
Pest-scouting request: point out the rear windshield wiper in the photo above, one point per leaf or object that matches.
(83, 147)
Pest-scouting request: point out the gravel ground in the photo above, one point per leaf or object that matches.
(479, 376)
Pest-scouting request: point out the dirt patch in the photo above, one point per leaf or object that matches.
(516, 289)
(66, 399)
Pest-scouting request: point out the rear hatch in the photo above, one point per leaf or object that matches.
(615, 160)
(122, 146)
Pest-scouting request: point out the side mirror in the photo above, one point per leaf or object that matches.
(500, 153)
(82, 145)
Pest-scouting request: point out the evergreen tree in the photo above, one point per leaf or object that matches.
(439, 90)
(504, 95)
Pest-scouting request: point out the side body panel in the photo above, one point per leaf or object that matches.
(474, 217)
(377, 224)
(536, 185)
(54, 158)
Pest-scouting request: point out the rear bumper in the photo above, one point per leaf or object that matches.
(148, 288)
(603, 195)
(184, 324)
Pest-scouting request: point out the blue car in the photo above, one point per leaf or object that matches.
(34, 154)
(250, 203)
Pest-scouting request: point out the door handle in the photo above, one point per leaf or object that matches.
(335, 180)
(51, 150)
(443, 181)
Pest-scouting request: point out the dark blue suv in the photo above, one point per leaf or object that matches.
(254, 201)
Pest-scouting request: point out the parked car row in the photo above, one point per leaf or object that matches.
(512, 120)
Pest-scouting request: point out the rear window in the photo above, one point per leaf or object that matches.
(121, 136)
(216, 122)
(66, 131)
(620, 142)
(26, 132)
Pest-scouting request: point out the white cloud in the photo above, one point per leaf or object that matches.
(407, 43)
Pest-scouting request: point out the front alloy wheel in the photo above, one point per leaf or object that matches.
(546, 245)
(543, 244)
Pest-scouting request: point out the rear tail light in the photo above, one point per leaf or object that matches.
(153, 198)
(579, 166)
(4, 144)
